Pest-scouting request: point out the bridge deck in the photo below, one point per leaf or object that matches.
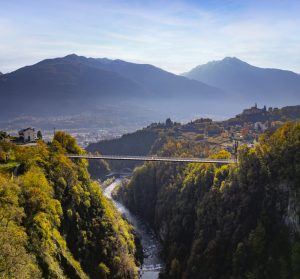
(153, 158)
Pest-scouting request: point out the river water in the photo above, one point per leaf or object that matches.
(151, 246)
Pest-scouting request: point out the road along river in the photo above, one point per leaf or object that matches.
(151, 246)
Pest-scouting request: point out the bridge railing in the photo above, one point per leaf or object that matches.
(153, 158)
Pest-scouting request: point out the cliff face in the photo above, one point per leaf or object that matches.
(226, 221)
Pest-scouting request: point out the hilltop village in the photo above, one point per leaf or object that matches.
(245, 127)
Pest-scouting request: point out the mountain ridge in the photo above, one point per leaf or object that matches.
(233, 59)
(74, 83)
(58, 82)
(265, 85)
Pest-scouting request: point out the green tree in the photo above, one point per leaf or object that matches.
(39, 135)
(3, 135)
(15, 261)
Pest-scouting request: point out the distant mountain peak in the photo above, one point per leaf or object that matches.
(72, 55)
(232, 59)
(226, 61)
(249, 82)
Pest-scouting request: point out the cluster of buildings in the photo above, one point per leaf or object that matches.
(245, 127)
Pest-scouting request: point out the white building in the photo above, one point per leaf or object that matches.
(27, 134)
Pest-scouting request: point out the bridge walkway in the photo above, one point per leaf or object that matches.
(153, 159)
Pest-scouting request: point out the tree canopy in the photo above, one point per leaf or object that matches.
(55, 221)
(225, 222)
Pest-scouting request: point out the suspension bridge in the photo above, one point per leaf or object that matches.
(153, 159)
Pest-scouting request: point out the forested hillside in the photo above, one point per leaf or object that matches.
(230, 221)
(55, 221)
(138, 143)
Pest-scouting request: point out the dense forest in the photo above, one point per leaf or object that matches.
(55, 221)
(230, 221)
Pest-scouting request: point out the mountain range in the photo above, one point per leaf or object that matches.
(73, 85)
(249, 83)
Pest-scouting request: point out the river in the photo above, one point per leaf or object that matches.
(151, 246)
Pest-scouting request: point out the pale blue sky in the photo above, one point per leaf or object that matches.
(174, 35)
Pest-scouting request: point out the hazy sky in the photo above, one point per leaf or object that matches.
(174, 35)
